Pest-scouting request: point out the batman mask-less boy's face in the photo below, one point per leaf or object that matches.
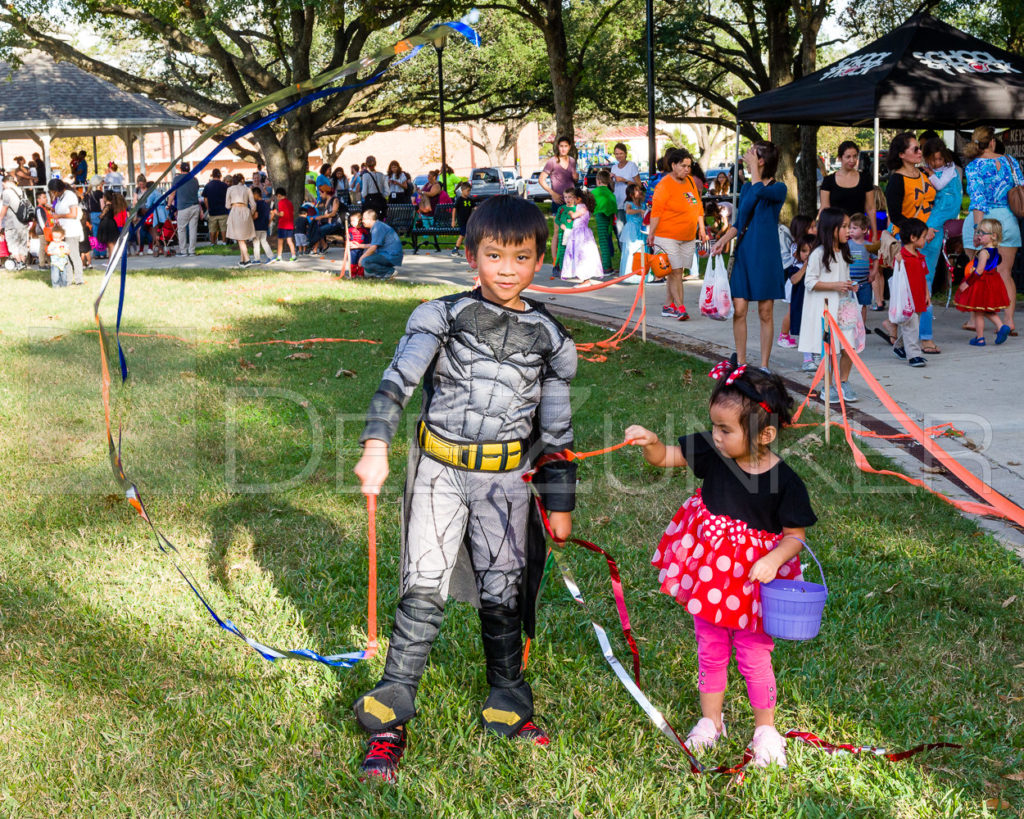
(505, 270)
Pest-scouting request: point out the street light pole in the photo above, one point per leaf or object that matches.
(652, 147)
(439, 48)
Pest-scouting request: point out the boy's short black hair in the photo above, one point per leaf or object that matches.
(509, 220)
(280, 191)
(912, 229)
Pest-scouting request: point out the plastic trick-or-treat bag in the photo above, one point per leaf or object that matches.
(850, 319)
(716, 297)
(901, 300)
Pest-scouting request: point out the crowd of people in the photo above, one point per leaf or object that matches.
(66, 225)
(842, 258)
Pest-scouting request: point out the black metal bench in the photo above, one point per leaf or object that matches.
(400, 216)
(441, 224)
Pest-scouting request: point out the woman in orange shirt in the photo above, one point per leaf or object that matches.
(677, 220)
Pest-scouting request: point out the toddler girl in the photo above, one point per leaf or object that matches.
(983, 293)
(826, 279)
(355, 242)
(582, 261)
(631, 240)
(788, 239)
(744, 526)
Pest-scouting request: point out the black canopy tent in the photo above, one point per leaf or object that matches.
(924, 72)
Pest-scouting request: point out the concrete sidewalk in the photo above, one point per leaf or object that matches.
(973, 388)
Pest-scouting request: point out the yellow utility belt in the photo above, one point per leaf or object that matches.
(502, 456)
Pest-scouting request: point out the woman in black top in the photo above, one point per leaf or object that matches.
(848, 189)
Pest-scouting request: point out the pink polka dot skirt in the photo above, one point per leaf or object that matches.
(705, 561)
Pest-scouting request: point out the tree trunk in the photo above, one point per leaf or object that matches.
(781, 54)
(287, 159)
(807, 172)
(563, 87)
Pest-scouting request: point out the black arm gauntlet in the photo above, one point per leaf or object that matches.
(556, 484)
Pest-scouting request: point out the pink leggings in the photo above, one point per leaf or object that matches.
(753, 656)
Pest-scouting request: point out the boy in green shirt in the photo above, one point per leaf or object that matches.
(604, 217)
(563, 224)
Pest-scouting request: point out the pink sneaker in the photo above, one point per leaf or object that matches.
(785, 340)
(703, 735)
(769, 748)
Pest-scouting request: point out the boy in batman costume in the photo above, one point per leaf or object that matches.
(495, 370)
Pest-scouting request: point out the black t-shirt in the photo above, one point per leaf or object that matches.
(463, 210)
(215, 192)
(770, 501)
(848, 200)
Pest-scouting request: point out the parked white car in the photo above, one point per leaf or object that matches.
(533, 189)
(514, 183)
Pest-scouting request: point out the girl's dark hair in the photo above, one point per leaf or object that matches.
(912, 229)
(830, 220)
(896, 147)
(937, 146)
(799, 226)
(845, 146)
(325, 169)
(807, 240)
(769, 389)
(562, 139)
(587, 198)
(770, 154)
(508, 220)
(630, 188)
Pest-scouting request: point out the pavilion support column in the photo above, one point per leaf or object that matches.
(130, 186)
(95, 156)
(46, 157)
(142, 152)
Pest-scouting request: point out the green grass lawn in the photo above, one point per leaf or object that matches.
(120, 697)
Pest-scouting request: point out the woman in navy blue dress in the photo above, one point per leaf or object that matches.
(757, 272)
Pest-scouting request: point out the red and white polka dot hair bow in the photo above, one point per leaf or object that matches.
(726, 368)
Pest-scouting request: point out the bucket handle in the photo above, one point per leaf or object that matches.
(820, 570)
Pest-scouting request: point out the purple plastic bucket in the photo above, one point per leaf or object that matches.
(791, 609)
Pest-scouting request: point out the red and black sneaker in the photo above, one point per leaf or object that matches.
(383, 752)
(532, 732)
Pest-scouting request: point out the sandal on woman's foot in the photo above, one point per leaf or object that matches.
(703, 735)
(931, 349)
(968, 327)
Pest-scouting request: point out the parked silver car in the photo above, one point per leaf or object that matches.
(487, 182)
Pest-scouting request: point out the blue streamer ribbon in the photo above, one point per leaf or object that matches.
(119, 261)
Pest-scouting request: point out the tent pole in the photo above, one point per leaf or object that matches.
(874, 160)
(95, 156)
(2, 163)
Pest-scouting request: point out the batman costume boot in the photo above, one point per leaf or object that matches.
(508, 710)
(385, 709)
